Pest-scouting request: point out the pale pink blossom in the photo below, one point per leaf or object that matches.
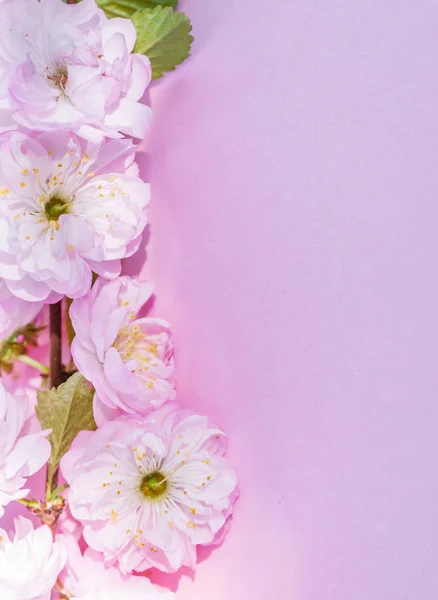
(30, 562)
(23, 451)
(149, 491)
(68, 207)
(23, 379)
(66, 524)
(129, 360)
(69, 66)
(87, 578)
(14, 312)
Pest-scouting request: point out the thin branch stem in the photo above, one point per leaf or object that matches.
(56, 375)
(24, 358)
(58, 491)
(28, 503)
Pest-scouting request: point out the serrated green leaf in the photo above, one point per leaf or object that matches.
(164, 36)
(65, 410)
(126, 8)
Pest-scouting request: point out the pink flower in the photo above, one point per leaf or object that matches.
(129, 360)
(70, 67)
(68, 208)
(30, 563)
(24, 379)
(22, 452)
(149, 491)
(66, 524)
(87, 578)
(15, 313)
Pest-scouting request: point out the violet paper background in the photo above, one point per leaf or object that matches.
(293, 247)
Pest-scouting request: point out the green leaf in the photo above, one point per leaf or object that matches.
(65, 410)
(126, 8)
(164, 36)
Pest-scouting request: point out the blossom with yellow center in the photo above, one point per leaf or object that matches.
(128, 358)
(68, 208)
(148, 491)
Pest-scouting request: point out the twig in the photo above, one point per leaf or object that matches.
(56, 375)
(24, 358)
(47, 512)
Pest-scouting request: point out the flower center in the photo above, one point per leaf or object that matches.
(56, 206)
(153, 485)
(58, 78)
(133, 344)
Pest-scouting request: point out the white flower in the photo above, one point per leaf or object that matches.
(87, 578)
(68, 208)
(148, 491)
(30, 563)
(22, 453)
(69, 66)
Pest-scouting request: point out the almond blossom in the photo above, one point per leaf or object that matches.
(15, 313)
(69, 66)
(68, 207)
(66, 524)
(23, 452)
(129, 360)
(149, 491)
(23, 379)
(87, 578)
(30, 562)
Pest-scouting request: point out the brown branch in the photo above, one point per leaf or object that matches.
(56, 374)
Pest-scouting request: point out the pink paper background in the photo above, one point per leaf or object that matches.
(294, 243)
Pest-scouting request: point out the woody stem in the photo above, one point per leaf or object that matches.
(56, 375)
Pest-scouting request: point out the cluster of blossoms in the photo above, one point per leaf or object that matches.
(148, 483)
